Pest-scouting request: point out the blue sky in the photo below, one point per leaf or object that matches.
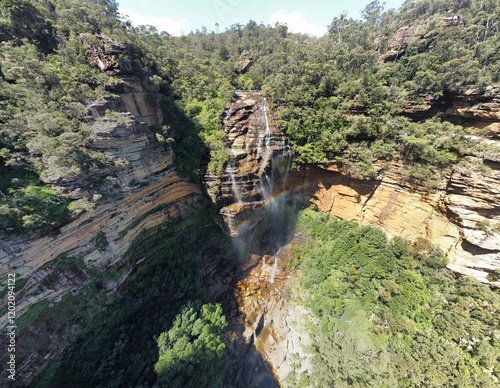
(179, 17)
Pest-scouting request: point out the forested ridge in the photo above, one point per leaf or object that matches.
(341, 99)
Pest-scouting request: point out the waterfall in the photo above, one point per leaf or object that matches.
(267, 157)
(266, 139)
(229, 219)
(234, 184)
(274, 198)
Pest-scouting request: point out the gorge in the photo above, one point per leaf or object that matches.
(294, 211)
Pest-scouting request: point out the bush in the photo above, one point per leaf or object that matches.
(101, 241)
(381, 306)
(32, 207)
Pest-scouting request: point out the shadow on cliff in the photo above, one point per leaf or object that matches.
(304, 182)
(245, 366)
(189, 149)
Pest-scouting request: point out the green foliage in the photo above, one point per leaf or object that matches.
(101, 241)
(333, 97)
(113, 341)
(31, 207)
(494, 276)
(390, 313)
(191, 351)
(488, 227)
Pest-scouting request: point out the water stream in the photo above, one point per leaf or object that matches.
(234, 185)
(266, 139)
(274, 159)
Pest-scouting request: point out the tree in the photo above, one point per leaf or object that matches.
(191, 352)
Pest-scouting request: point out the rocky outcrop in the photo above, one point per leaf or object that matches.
(246, 61)
(399, 41)
(476, 106)
(258, 154)
(111, 57)
(134, 95)
(272, 331)
(451, 218)
(473, 203)
(416, 34)
(138, 97)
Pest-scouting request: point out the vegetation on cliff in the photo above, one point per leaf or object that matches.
(339, 98)
(191, 352)
(162, 316)
(398, 315)
(45, 82)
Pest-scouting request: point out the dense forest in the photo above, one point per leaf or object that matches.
(340, 99)
(399, 316)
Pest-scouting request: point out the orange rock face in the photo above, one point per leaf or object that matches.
(449, 220)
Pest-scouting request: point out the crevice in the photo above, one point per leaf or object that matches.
(477, 250)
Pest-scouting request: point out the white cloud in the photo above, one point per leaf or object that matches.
(172, 26)
(297, 22)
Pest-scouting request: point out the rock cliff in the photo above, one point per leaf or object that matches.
(452, 219)
(461, 218)
(138, 190)
(478, 107)
(259, 154)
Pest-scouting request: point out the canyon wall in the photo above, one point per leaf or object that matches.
(462, 218)
(448, 218)
(137, 191)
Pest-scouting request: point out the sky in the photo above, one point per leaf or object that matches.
(180, 17)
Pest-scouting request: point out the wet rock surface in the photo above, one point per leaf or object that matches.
(259, 153)
(267, 335)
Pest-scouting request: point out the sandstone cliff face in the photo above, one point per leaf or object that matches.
(449, 218)
(416, 33)
(462, 218)
(400, 40)
(137, 191)
(259, 153)
(476, 107)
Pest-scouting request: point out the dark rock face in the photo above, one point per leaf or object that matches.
(259, 153)
(246, 62)
(399, 42)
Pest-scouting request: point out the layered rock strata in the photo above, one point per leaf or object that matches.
(477, 107)
(136, 191)
(259, 153)
(450, 218)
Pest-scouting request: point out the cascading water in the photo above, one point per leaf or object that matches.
(259, 156)
(234, 185)
(266, 139)
(274, 198)
(257, 174)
